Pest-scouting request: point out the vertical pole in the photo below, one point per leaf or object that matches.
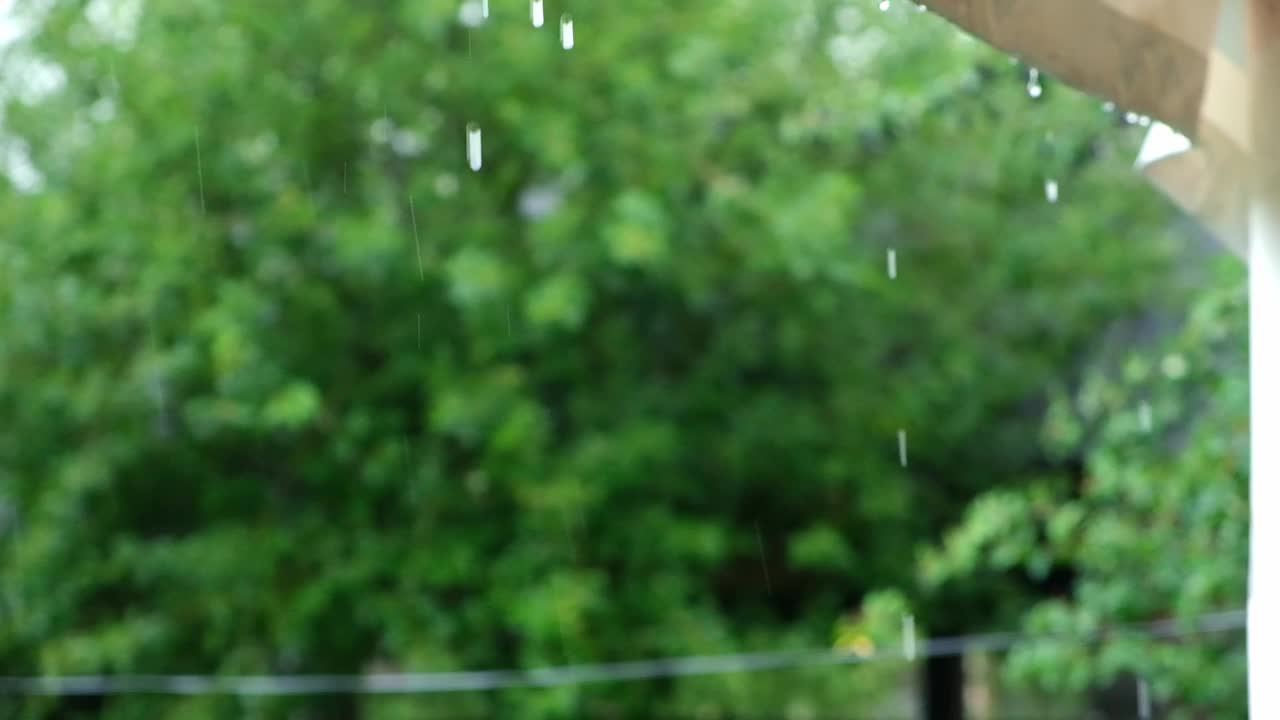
(1264, 362)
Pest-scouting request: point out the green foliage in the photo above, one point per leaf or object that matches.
(1157, 529)
(285, 388)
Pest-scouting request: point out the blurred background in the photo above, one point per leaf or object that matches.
(287, 388)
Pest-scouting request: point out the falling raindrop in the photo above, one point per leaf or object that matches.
(535, 12)
(902, 447)
(484, 9)
(1144, 700)
(1051, 190)
(1144, 417)
(884, 5)
(893, 265)
(566, 32)
(1034, 88)
(473, 146)
(909, 637)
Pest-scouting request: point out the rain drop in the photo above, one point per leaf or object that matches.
(893, 265)
(902, 447)
(1144, 701)
(535, 12)
(566, 32)
(1051, 190)
(484, 9)
(1131, 118)
(1144, 417)
(1034, 88)
(473, 146)
(884, 5)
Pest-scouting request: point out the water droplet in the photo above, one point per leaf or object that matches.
(1034, 88)
(893, 265)
(921, 7)
(484, 9)
(473, 146)
(535, 12)
(902, 447)
(1131, 118)
(884, 5)
(1144, 121)
(1144, 700)
(1108, 107)
(566, 32)
(1051, 190)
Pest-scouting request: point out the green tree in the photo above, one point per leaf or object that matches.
(1156, 529)
(286, 388)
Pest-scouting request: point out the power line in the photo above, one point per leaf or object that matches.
(443, 682)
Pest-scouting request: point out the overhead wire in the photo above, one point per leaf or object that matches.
(488, 680)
